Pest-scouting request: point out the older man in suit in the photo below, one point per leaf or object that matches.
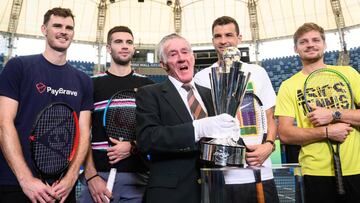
(171, 118)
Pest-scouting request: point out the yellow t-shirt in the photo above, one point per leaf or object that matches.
(316, 158)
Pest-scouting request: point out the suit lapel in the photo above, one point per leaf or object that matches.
(172, 96)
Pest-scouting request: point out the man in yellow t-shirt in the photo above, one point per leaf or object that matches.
(315, 156)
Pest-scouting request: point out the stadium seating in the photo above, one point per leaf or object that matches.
(157, 78)
(86, 67)
(355, 58)
(1, 62)
(280, 69)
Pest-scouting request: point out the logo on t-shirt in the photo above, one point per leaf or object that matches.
(321, 95)
(41, 88)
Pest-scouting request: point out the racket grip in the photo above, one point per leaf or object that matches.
(259, 186)
(260, 193)
(111, 179)
(339, 182)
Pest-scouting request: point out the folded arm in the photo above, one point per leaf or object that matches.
(321, 116)
(290, 134)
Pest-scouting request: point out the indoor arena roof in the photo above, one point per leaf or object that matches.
(152, 19)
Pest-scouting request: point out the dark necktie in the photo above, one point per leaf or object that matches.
(195, 107)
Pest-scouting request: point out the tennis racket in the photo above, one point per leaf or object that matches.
(253, 125)
(329, 88)
(119, 121)
(252, 119)
(54, 140)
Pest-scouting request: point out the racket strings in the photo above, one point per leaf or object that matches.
(327, 89)
(120, 116)
(252, 120)
(53, 143)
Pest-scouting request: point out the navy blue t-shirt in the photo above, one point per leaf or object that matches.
(35, 83)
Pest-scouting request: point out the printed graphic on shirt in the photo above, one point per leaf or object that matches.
(42, 88)
(301, 102)
(332, 96)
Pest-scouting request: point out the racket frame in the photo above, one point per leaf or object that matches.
(331, 71)
(336, 153)
(113, 171)
(108, 106)
(43, 175)
(263, 126)
(263, 130)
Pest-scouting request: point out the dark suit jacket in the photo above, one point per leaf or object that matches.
(165, 132)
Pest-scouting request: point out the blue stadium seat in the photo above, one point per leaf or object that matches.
(280, 69)
(1, 62)
(86, 67)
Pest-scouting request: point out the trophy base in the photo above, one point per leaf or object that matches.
(217, 155)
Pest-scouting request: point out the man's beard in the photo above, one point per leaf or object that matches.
(120, 61)
(313, 59)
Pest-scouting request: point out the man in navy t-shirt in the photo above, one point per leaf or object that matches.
(27, 85)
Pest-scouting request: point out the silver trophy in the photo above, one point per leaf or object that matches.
(228, 86)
